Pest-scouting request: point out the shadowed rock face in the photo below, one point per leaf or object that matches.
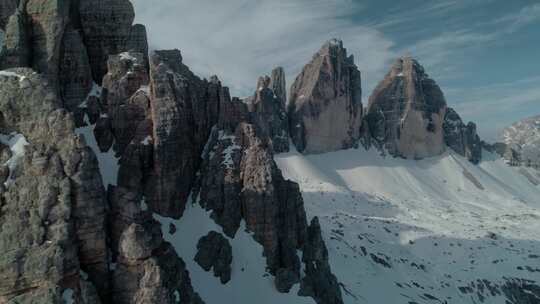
(325, 103)
(462, 138)
(184, 109)
(107, 29)
(319, 281)
(267, 108)
(215, 251)
(406, 112)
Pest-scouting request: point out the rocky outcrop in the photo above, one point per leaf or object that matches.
(325, 103)
(184, 109)
(125, 97)
(462, 138)
(215, 251)
(107, 29)
(52, 224)
(69, 41)
(267, 107)
(319, 282)
(406, 112)
(147, 269)
(240, 180)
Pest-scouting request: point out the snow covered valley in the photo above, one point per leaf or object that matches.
(438, 230)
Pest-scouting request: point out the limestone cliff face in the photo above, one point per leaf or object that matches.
(325, 103)
(52, 224)
(406, 112)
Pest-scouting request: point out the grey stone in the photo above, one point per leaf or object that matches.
(462, 138)
(325, 103)
(215, 252)
(406, 112)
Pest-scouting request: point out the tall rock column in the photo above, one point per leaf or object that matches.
(184, 108)
(325, 104)
(406, 112)
(267, 107)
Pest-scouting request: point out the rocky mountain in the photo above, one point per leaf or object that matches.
(126, 178)
(523, 137)
(406, 112)
(325, 103)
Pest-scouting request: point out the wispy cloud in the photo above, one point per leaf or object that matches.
(515, 21)
(239, 40)
(491, 104)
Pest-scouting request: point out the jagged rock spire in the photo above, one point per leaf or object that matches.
(325, 104)
(267, 108)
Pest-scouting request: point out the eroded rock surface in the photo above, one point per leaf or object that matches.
(267, 107)
(52, 224)
(184, 109)
(406, 112)
(325, 103)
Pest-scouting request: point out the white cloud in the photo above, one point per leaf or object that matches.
(239, 40)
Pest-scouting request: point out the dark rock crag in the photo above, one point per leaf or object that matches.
(240, 180)
(319, 281)
(325, 103)
(462, 138)
(267, 107)
(406, 112)
(183, 108)
(215, 251)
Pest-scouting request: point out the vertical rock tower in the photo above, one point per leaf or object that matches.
(406, 112)
(325, 104)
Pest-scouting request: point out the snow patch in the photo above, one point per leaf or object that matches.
(17, 143)
(67, 296)
(94, 92)
(147, 140)
(250, 283)
(127, 56)
(108, 162)
(229, 151)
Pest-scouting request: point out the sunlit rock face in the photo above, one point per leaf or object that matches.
(325, 104)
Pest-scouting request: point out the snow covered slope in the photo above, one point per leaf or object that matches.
(438, 230)
(524, 137)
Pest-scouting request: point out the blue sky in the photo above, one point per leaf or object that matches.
(485, 54)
